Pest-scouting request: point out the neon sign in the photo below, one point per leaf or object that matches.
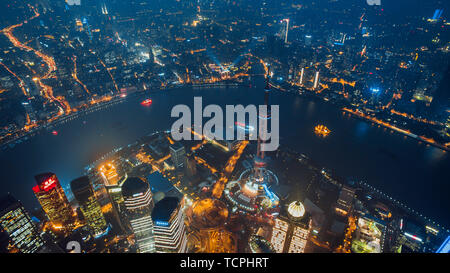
(49, 184)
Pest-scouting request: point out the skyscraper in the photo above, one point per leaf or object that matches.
(53, 200)
(345, 201)
(285, 30)
(139, 204)
(301, 75)
(109, 174)
(90, 207)
(291, 229)
(308, 39)
(169, 228)
(316, 80)
(16, 225)
(178, 154)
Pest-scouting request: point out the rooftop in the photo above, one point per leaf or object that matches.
(134, 185)
(159, 183)
(164, 209)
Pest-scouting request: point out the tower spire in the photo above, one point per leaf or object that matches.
(259, 159)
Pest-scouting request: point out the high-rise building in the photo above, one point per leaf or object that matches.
(168, 225)
(17, 227)
(345, 201)
(109, 174)
(178, 154)
(308, 39)
(291, 230)
(301, 75)
(316, 80)
(139, 204)
(191, 167)
(54, 202)
(90, 207)
(29, 110)
(285, 29)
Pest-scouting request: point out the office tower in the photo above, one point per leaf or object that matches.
(90, 207)
(286, 30)
(191, 167)
(316, 80)
(168, 225)
(109, 174)
(17, 227)
(139, 204)
(104, 9)
(178, 154)
(29, 110)
(73, 2)
(308, 39)
(344, 203)
(116, 199)
(115, 193)
(54, 202)
(301, 75)
(291, 229)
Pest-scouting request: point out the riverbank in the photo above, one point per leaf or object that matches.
(118, 98)
(359, 114)
(402, 131)
(388, 161)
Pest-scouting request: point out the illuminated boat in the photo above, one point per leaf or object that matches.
(322, 131)
(55, 133)
(146, 102)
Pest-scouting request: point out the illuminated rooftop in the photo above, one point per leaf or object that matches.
(296, 209)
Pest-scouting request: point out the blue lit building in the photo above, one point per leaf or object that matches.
(138, 201)
(168, 225)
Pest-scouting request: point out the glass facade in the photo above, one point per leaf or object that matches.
(17, 224)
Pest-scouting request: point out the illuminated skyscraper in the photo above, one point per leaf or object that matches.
(104, 9)
(291, 230)
(169, 228)
(29, 110)
(139, 204)
(286, 29)
(316, 80)
(84, 194)
(345, 201)
(178, 154)
(16, 225)
(109, 174)
(301, 75)
(53, 200)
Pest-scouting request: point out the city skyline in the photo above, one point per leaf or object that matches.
(357, 104)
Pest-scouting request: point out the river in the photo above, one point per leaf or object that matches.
(412, 172)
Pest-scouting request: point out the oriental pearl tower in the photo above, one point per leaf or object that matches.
(252, 192)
